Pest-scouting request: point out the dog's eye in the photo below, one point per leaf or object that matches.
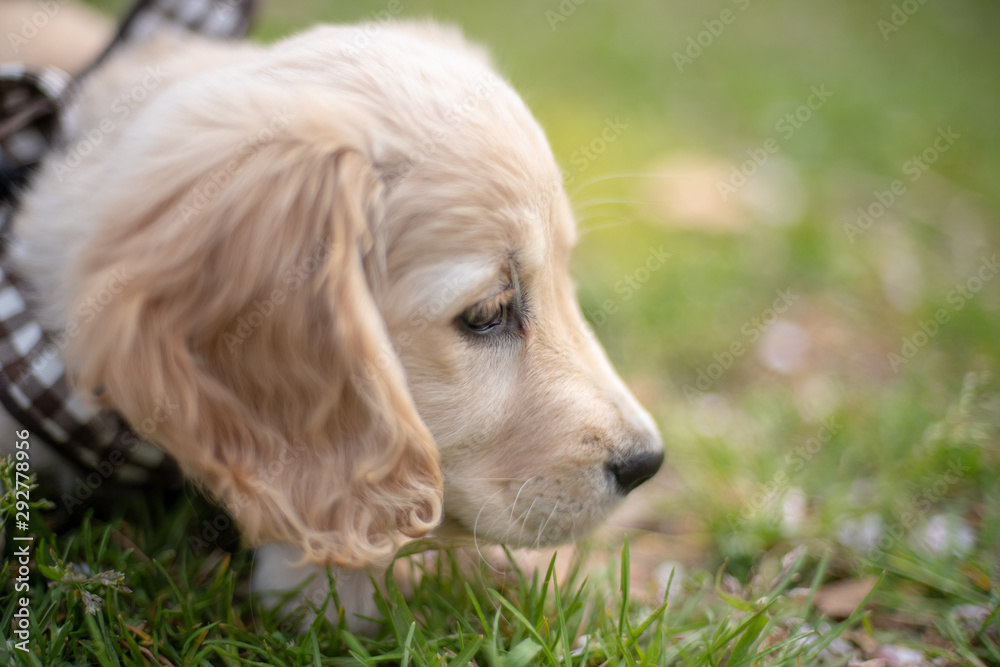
(489, 314)
(485, 317)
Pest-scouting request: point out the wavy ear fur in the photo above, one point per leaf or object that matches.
(238, 228)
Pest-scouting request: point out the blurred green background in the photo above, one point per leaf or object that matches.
(687, 126)
(650, 107)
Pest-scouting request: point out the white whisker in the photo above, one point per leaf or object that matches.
(475, 528)
(594, 228)
(513, 508)
(541, 528)
(524, 520)
(518, 496)
(497, 518)
(591, 203)
(608, 177)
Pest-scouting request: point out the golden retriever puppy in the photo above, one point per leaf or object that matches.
(341, 262)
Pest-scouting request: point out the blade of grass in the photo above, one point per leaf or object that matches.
(560, 615)
(406, 645)
(527, 626)
(465, 657)
(523, 654)
(856, 615)
(740, 656)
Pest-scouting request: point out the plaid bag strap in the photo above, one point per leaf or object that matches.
(34, 391)
(33, 386)
(29, 125)
(212, 18)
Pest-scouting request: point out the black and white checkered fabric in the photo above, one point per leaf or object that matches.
(29, 125)
(33, 389)
(212, 18)
(33, 386)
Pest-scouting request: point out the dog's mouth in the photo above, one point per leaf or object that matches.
(537, 512)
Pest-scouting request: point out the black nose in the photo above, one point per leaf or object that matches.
(632, 471)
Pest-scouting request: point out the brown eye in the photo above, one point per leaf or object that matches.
(485, 317)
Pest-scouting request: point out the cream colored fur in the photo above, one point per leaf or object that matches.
(300, 229)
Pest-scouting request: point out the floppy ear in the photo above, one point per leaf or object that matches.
(244, 338)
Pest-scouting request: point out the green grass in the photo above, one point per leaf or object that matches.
(761, 507)
(185, 611)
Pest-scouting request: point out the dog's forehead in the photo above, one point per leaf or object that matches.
(462, 228)
(471, 183)
(432, 106)
(461, 236)
(446, 251)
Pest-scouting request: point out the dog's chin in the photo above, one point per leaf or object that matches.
(450, 529)
(521, 532)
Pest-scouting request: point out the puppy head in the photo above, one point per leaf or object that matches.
(538, 436)
(348, 267)
(238, 227)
